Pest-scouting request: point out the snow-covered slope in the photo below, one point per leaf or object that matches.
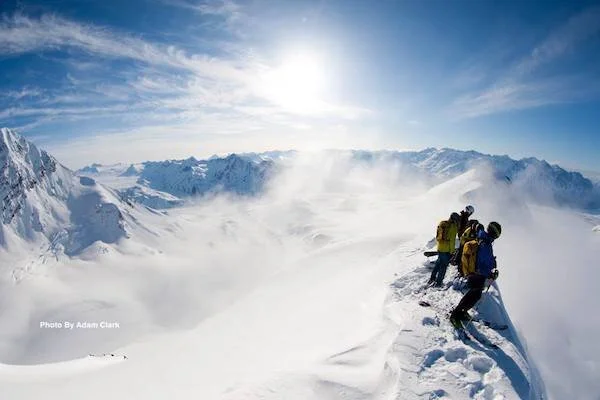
(90, 169)
(162, 184)
(276, 156)
(116, 176)
(542, 182)
(304, 292)
(491, 364)
(100, 169)
(287, 296)
(44, 202)
(248, 173)
(150, 197)
(192, 177)
(132, 170)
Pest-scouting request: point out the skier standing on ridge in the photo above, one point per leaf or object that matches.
(464, 219)
(479, 265)
(470, 233)
(446, 245)
(463, 224)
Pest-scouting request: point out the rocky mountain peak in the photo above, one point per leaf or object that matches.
(22, 167)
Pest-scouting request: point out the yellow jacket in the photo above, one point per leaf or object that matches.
(446, 236)
(469, 234)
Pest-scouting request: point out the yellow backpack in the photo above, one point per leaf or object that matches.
(469, 257)
(443, 231)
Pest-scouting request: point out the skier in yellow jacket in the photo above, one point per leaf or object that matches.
(469, 234)
(446, 245)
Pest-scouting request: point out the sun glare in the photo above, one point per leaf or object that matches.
(296, 84)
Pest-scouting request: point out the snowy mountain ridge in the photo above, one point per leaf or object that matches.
(43, 200)
(540, 180)
(247, 173)
(23, 168)
(195, 177)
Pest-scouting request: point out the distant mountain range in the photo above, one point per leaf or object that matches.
(71, 210)
(247, 173)
(540, 180)
(192, 177)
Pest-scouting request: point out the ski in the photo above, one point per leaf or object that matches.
(465, 336)
(482, 340)
(430, 253)
(492, 325)
(461, 332)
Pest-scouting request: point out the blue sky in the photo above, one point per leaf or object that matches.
(127, 81)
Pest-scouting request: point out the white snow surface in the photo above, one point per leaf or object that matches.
(46, 204)
(117, 176)
(307, 291)
(150, 197)
(193, 177)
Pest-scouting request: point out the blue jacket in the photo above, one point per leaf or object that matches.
(486, 261)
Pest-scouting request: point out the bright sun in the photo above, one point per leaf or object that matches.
(296, 84)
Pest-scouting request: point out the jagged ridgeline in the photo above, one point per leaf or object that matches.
(43, 200)
(192, 177)
(536, 179)
(23, 168)
(246, 174)
(72, 210)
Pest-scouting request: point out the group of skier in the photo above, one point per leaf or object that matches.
(474, 257)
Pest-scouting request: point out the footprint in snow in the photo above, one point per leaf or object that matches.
(483, 365)
(480, 391)
(455, 354)
(430, 321)
(437, 394)
(431, 357)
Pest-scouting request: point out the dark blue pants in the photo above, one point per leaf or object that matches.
(475, 283)
(439, 271)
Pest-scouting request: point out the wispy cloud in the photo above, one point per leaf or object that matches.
(577, 29)
(523, 85)
(49, 111)
(159, 78)
(525, 94)
(21, 34)
(225, 8)
(25, 92)
(229, 12)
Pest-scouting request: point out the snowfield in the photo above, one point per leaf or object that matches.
(309, 290)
